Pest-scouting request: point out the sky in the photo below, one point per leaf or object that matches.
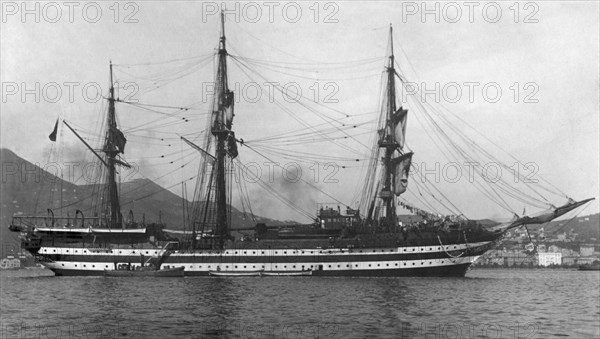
(537, 61)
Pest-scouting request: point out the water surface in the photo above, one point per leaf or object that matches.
(486, 304)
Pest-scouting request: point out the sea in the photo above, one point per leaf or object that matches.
(487, 303)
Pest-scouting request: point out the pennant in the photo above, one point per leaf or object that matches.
(52, 135)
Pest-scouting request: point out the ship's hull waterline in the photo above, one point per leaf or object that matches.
(449, 260)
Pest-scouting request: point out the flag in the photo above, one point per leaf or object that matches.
(52, 135)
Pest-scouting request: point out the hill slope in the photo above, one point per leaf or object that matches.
(27, 189)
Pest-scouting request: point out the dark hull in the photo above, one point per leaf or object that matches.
(449, 271)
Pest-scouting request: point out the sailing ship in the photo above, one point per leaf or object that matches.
(348, 242)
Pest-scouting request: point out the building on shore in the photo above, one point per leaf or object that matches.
(549, 258)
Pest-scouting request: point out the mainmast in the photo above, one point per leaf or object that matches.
(388, 141)
(112, 147)
(221, 130)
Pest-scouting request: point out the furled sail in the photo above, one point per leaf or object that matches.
(228, 108)
(117, 139)
(231, 145)
(399, 125)
(223, 117)
(401, 167)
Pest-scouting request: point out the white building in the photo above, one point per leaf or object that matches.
(549, 258)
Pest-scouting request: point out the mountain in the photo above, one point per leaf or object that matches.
(27, 189)
(587, 227)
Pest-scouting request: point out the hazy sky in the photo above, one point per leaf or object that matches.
(544, 57)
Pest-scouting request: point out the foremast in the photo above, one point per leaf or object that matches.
(395, 162)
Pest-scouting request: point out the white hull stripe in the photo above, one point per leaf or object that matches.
(263, 252)
(241, 267)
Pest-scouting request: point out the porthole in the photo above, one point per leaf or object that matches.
(63, 264)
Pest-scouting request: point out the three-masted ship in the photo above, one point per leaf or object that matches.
(342, 241)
